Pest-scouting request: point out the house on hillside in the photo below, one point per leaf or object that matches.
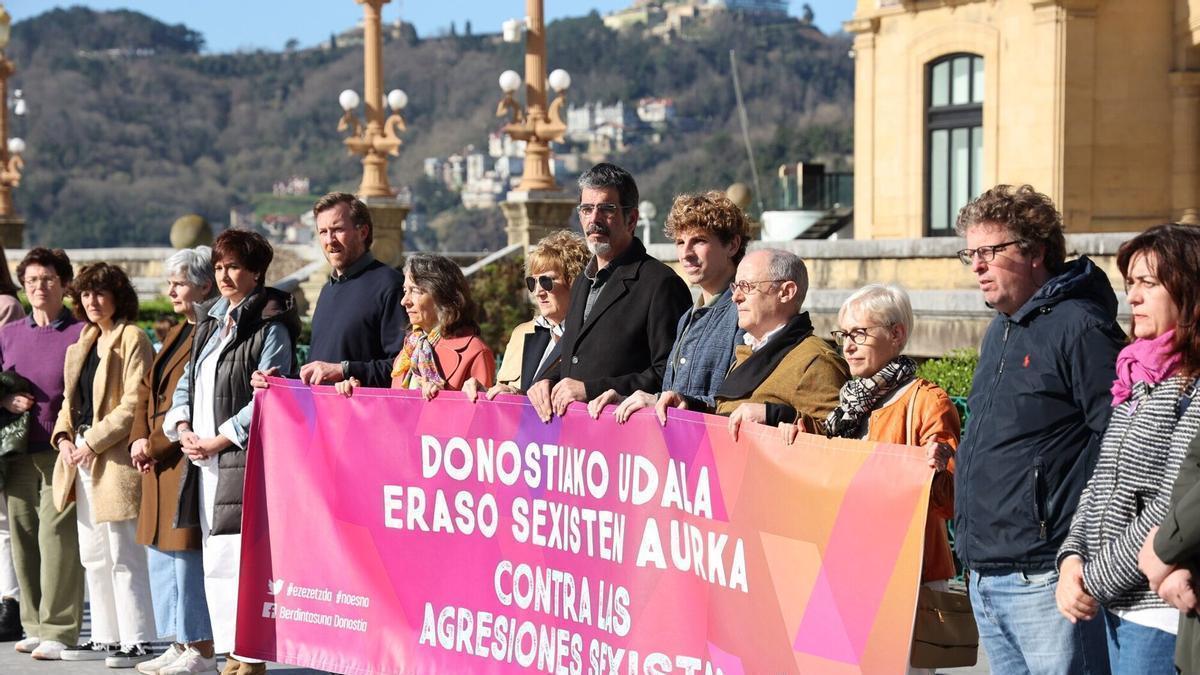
(666, 19)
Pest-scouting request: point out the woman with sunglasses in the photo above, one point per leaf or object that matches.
(552, 266)
(885, 401)
(443, 349)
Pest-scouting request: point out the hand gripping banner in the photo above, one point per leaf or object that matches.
(386, 534)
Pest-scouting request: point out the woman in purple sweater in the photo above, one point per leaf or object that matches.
(49, 575)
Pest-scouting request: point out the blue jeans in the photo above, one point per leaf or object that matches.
(177, 588)
(1023, 633)
(1138, 650)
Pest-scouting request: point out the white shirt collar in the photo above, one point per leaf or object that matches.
(756, 345)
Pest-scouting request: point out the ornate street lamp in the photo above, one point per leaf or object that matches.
(11, 149)
(535, 124)
(373, 140)
(378, 137)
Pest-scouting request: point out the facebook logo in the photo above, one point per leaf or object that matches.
(268, 610)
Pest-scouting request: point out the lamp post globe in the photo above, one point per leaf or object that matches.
(513, 30)
(348, 99)
(647, 210)
(397, 99)
(560, 80)
(510, 81)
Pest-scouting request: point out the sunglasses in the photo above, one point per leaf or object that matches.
(547, 283)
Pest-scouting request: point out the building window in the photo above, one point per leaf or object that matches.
(954, 144)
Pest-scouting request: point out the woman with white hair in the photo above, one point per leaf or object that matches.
(176, 560)
(886, 402)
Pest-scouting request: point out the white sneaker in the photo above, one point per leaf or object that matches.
(162, 661)
(49, 650)
(191, 662)
(27, 645)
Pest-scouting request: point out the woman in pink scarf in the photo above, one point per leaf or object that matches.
(1153, 420)
(443, 349)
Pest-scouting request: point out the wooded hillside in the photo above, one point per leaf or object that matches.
(130, 125)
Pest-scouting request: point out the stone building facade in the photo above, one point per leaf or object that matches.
(1095, 102)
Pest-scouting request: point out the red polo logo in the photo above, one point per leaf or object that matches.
(1026, 360)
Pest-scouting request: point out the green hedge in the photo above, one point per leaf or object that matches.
(952, 372)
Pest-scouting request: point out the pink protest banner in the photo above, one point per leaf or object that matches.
(384, 534)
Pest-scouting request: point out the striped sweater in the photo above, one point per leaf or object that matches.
(1129, 492)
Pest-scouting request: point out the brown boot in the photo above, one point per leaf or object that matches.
(252, 669)
(232, 666)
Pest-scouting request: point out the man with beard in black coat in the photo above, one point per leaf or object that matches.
(624, 308)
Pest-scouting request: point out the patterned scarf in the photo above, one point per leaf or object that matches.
(417, 359)
(860, 395)
(556, 330)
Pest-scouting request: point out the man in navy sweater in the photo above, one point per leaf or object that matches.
(359, 325)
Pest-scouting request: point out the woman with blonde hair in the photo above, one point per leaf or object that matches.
(552, 266)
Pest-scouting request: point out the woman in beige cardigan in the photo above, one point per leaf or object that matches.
(102, 372)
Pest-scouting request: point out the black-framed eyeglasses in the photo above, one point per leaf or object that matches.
(605, 209)
(857, 335)
(547, 283)
(985, 253)
(748, 287)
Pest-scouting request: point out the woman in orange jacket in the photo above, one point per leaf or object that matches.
(886, 402)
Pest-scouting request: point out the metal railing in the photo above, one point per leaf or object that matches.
(816, 191)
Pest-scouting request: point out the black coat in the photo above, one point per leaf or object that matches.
(1040, 402)
(626, 342)
(532, 348)
(1178, 543)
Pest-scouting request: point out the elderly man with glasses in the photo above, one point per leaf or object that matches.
(783, 371)
(1040, 403)
(624, 307)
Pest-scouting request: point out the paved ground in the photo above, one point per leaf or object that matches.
(12, 663)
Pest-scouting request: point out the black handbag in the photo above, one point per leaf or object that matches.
(14, 439)
(14, 433)
(14, 427)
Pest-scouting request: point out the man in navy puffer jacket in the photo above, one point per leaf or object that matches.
(1039, 404)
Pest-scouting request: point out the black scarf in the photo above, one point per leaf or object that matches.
(744, 378)
(860, 395)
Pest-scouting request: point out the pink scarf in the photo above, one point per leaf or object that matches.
(1149, 361)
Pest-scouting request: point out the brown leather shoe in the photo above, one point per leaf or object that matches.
(232, 666)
